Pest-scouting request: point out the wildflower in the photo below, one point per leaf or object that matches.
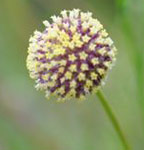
(71, 57)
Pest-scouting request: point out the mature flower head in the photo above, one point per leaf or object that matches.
(71, 56)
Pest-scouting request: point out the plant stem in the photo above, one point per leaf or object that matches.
(113, 119)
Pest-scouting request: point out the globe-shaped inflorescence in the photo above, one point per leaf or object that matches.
(71, 57)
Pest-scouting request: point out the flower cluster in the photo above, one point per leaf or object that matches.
(71, 56)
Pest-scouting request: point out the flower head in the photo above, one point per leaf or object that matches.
(71, 56)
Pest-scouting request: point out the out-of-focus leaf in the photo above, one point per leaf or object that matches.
(121, 5)
(135, 44)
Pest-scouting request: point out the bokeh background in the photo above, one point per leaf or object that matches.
(29, 122)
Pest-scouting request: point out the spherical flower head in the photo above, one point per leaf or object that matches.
(71, 57)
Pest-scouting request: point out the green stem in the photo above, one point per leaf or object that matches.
(113, 119)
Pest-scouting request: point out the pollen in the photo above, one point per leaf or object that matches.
(70, 58)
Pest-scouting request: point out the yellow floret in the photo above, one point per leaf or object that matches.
(61, 70)
(63, 36)
(62, 62)
(57, 20)
(59, 51)
(81, 76)
(66, 26)
(86, 38)
(68, 75)
(102, 51)
(73, 68)
(71, 93)
(53, 63)
(54, 77)
(62, 79)
(51, 83)
(73, 29)
(92, 46)
(76, 37)
(95, 61)
(78, 43)
(64, 14)
(72, 57)
(45, 76)
(48, 44)
(61, 90)
(104, 33)
(83, 16)
(48, 66)
(52, 33)
(93, 30)
(81, 97)
(112, 52)
(101, 71)
(40, 56)
(73, 84)
(75, 22)
(65, 43)
(71, 45)
(83, 55)
(89, 83)
(36, 65)
(84, 67)
(85, 26)
(76, 12)
(107, 63)
(96, 23)
(99, 40)
(61, 99)
(93, 76)
(46, 23)
(49, 55)
(108, 41)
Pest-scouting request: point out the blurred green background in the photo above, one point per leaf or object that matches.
(29, 122)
